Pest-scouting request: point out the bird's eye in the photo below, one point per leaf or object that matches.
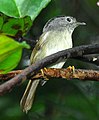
(69, 19)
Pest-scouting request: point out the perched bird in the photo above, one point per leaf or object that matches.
(56, 36)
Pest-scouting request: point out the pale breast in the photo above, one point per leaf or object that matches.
(51, 43)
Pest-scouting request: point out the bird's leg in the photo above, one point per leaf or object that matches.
(71, 68)
(70, 72)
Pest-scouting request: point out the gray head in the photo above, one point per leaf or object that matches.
(61, 23)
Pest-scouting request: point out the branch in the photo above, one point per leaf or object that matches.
(5, 77)
(92, 58)
(68, 73)
(34, 68)
(31, 42)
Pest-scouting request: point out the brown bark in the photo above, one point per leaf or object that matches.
(69, 73)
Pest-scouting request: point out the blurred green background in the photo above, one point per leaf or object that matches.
(59, 99)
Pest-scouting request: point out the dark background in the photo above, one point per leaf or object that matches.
(59, 99)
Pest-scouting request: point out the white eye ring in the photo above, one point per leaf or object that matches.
(68, 19)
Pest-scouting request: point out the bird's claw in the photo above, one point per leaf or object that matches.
(71, 68)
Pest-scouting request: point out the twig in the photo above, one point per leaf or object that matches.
(31, 42)
(92, 58)
(5, 77)
(68, 73)
(31, 70)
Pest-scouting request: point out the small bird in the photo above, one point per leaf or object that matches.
(56, 36)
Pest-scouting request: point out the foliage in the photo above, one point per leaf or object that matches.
(20, 9)
(16, 21)
(14, 27)
(10, 53)
(57, 99)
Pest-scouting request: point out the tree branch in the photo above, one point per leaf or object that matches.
(34, 68)
(5, 77)
(69, 73)
(92, 58)
(31, 42)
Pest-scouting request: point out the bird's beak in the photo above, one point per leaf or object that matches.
(80, 23)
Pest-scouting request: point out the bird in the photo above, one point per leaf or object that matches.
(56, 36)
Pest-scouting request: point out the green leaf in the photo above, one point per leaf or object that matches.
(10, 53)
(22, 8)
(1, 22)
(14, 26)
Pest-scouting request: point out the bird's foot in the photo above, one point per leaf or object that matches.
(71, 68)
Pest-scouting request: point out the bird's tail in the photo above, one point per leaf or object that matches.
(28, 96)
